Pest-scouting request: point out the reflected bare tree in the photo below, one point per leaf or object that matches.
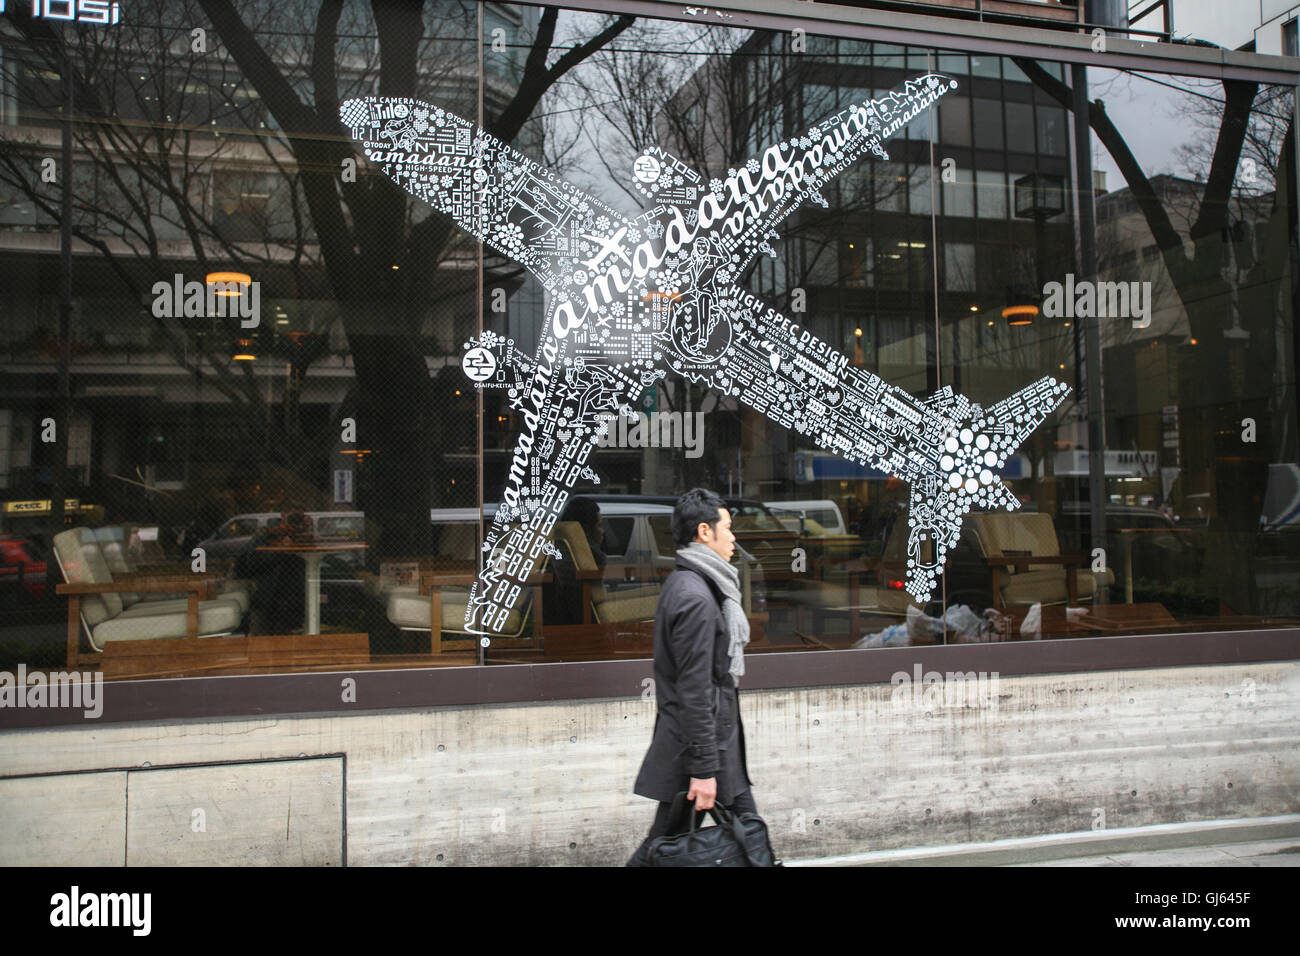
(1234, 376)
(715, 97)
(157, 117)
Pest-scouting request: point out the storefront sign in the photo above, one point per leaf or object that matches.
(1134, 464)
(77, 11)
(38, 507)
(343, 486)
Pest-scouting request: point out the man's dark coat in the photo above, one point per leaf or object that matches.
(697, 730)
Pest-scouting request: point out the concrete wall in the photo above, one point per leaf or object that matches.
(272, 812)
(836, 770)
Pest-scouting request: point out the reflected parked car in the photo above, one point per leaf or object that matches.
(239, 535)
(637, 530)
(824, 512)
(22, 575)
(763, 543)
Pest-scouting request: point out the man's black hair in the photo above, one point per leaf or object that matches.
(695, 506)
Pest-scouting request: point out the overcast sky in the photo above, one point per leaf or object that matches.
(1157, 114)
(1154, 119)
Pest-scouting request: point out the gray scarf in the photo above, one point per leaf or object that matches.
(699, 557)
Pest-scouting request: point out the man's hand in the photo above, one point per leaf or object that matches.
(703, 792)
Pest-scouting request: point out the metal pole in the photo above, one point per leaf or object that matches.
(482, 651)
(1091, 329)
(63, 420)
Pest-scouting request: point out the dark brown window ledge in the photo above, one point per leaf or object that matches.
(200, 698)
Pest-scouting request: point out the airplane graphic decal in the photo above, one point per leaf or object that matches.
(630, 299)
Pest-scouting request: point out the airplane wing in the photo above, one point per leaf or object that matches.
(946, 447)
(765, 360)
(820, 154)
(518, 208)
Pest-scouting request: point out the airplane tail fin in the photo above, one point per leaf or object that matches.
(938, 507)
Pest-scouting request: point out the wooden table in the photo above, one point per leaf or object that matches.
(312, 554)
(1104, 619)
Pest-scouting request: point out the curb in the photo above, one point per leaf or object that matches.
(1058, 846)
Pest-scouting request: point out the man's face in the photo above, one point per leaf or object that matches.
(718, 538)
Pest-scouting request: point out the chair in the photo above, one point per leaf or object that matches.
(837, 588)
(95, 603)
(1024, 556)
(600, 603)
(121, 561)
(443, 595)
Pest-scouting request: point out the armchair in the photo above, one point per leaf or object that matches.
(95, 603)
(122, 563)
(599, 602)
(1025, 560)
(442, 596)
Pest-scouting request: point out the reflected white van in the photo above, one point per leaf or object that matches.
(825, 512)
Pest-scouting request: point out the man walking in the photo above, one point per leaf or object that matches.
(700, 635)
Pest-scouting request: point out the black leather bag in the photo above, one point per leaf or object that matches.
(736, 840)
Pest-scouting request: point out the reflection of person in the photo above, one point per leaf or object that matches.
(876, 521)
(700, 634)
(278, 599)
(242, 493)
(587, 513)
(567, 605)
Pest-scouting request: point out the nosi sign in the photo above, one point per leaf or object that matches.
(79, 11)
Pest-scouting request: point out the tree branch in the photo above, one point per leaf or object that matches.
(1144, 194)
(276, 91)
(1213, 214)
(323, 80)
(538, 78)
(315, 141)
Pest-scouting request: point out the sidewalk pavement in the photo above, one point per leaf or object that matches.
(1259, 841)
(1284, 852)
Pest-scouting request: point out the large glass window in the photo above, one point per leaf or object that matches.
(279, 379)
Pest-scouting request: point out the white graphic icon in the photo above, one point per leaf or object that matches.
(646, 169)
(630, 299)
(478, 364)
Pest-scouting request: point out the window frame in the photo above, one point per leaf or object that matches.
(420, 688)
(317, 693)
